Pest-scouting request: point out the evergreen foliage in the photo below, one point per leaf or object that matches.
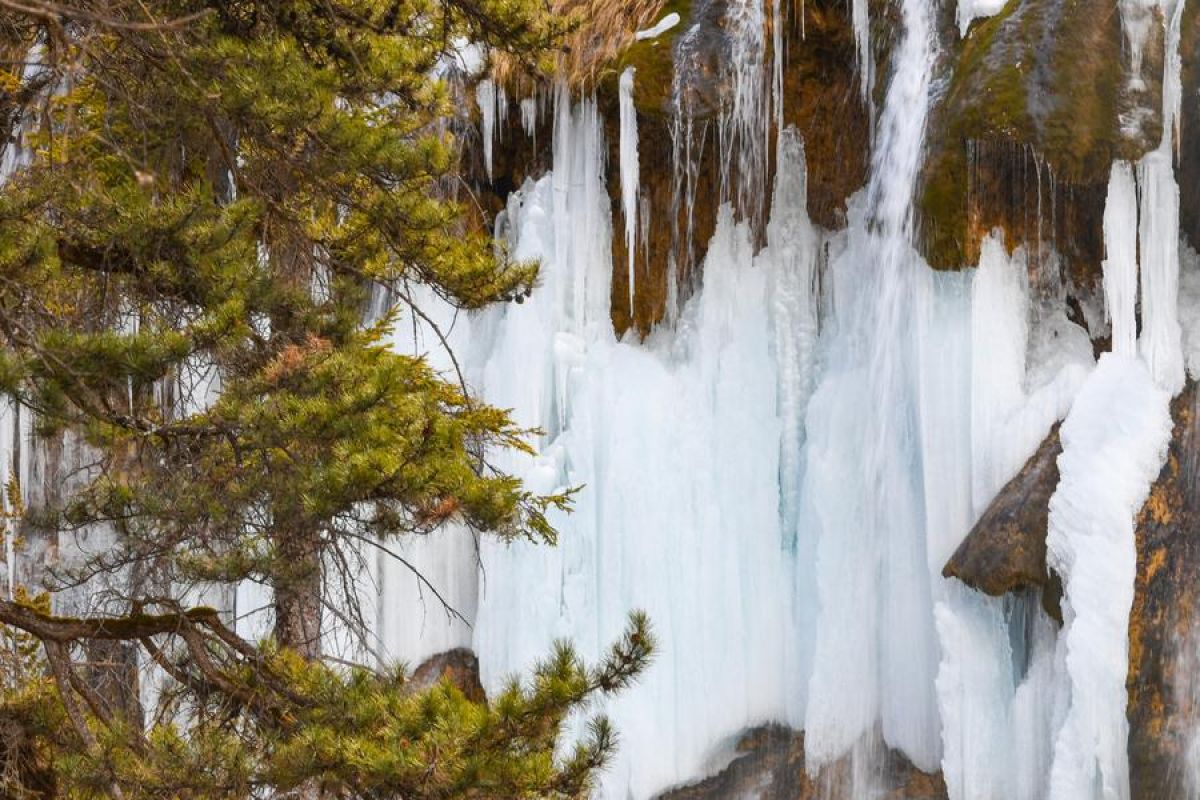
(211, 191)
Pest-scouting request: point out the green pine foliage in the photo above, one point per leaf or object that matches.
(213, 190)
(347, 733)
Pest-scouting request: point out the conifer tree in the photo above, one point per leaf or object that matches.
(207, 195)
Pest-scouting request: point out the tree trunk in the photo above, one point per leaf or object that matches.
(298, 597)
(298, 615)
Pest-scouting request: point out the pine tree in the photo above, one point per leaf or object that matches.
(212, 191)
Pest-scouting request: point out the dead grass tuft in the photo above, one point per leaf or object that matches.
(603, 29)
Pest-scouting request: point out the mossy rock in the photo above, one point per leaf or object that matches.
(1049, 80)
(654, 59)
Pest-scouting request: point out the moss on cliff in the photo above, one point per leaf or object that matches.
(654, 62)
(1048, 78)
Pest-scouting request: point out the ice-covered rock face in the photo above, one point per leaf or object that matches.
(781, 467)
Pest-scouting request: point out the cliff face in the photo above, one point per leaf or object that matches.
(1164, 702)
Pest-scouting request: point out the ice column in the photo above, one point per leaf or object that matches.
(1120, 262)
(746, 126)
(1161, 343)
(677, 442)
(791, 259)
(875, 649)
(1114, 441)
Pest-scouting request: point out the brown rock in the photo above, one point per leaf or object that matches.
(770, 766)
(459, 666)
(1164, 695)
(1006, 550)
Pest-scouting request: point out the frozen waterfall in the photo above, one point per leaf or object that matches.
(779, 474)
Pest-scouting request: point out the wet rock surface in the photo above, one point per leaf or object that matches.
(770, 766)
(1164, 668)
(1006, 549)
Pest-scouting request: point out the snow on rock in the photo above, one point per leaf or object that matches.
(971, 10)
(662, 26)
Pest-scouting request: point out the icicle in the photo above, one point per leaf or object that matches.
(485, 96)
(745, 128)
(1114, 441)
(1120, 263)
(1161, 342)
(630, 172)
(529, 115)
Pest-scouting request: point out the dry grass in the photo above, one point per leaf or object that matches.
(603, 29)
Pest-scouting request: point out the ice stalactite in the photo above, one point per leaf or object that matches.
(486, 96)
(1160, 342)
(1120, 262)
(630, 171)
(1114, 441)
(745, 126)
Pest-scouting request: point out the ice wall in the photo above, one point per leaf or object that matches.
(780, 490)
(677, 443)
